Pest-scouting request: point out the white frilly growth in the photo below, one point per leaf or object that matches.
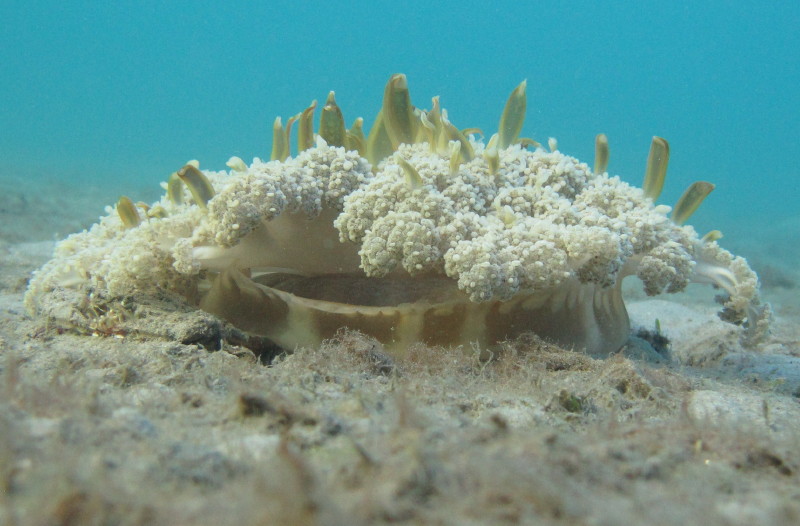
(318, 177)
(732, 274)
(540, 220)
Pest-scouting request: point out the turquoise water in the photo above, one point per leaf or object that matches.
(128, 91)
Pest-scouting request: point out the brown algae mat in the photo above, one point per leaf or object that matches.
(112, 429)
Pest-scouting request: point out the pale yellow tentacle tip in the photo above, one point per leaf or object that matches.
(236, 164)
(354, 139)
(601, 153)
(714, 235)
(491, 154)
(305, 128)
(656, 171)
(398, 112)
(690, 201)
(128, 213)
(280, 141)
(455, 156)
(513, 116)
(413, 179)
(527, 142)
(175, 189)
(198, 184)
(331, 123)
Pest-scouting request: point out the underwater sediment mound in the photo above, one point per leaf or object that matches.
(416, 232)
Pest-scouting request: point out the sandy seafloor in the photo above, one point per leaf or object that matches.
(130, 430)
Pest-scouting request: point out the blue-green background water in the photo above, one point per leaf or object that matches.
(126, 92)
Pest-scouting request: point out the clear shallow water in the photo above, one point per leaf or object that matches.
(127, 92)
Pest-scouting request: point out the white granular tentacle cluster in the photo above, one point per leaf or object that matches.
(336, 172)
(406, 239)
(667, 267)
(597, 254)
(539, 202)
(541, 219)
(563, 174)
(318, 177)
(462, 226)
(471, 189)
(731, 273)
(478, 269)
(113, 261)
(354, 225)
(255, 197)
(528, 264)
